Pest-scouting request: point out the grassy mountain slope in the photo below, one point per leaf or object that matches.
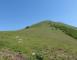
(43, 37)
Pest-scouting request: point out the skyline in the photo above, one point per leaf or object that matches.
(17, 14)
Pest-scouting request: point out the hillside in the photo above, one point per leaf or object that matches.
(52, 40)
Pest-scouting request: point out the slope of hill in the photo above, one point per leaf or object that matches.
(51, 40)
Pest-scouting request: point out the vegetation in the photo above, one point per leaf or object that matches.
(27, 27)
(71, 31)
(43, 41)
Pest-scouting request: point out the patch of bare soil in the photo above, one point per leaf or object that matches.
(6, 54)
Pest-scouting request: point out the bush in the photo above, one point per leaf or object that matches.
(27, 27)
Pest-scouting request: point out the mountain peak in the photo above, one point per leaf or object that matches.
(57, 25)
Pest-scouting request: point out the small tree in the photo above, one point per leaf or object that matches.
(27, 27)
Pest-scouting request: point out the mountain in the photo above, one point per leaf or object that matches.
(51, 40)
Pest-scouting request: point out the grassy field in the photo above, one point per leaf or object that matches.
(40, 41)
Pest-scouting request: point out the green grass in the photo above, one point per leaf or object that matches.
(39, 38)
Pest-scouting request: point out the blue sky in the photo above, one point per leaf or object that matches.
(16, 14)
